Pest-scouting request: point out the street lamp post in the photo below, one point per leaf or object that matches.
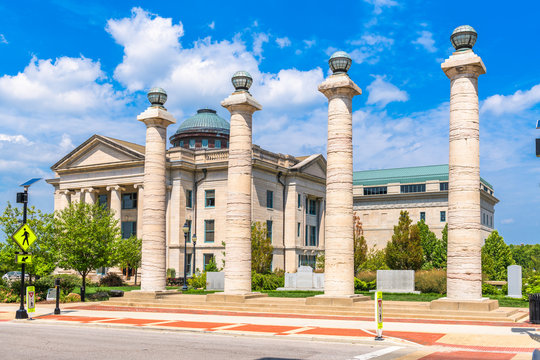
(185, 229)
(194, 239)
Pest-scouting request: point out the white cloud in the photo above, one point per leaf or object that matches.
(283, 42)
(258, 41)
(309, 43)
(426, 40)
(212, 25)
(3, 39)
(378, 5)
(382, 92)
(369, 46)
(16, 139)
(512, 104)
(507, 221)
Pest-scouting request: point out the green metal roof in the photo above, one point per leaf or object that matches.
(408, 175)
(205, 120)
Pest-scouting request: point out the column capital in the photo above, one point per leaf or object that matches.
(158, 117)
(138, 186)
(65, 192)
(88, 190)
(241, 102)
(115, 188)
(339, 85)
(463, 64)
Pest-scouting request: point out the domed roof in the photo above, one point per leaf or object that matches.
(205, 120)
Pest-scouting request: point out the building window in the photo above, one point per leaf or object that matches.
(269, 229)
(376, 190)
(443, 216)
(299, 201)
(181, 144)
(189, 198)
(422, 216)
(307, 260)
(298, 229)
(269, 199)
(188, 222)
(191, 143)
(129, 201)
(414, 188)
(207, 259)
(312, 236)
(210, 198)
(443, 186)
(102, 200)
(205, 143)
(188, 265)
(217, 144)
(129, 228)
(209, 231)
(312, 207)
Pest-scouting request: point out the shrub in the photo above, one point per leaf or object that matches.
(532, 285)
(99, 296)
(361, 285)
(198, 281)
(266, 281)
(111, 279)
(171, 273)
(367, 276)
(211, 266)
(9, 296)
(376, 260)
(488, 289)
(71, 297)
(68, 282)
(430, 281)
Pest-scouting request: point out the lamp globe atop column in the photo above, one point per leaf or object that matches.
(157, 97)
(463, 37)
(242, 81)
(340, 62)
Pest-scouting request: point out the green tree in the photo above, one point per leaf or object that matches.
(44, 260)
(128, 253)
(404, 252)
(86, 238)
(496, 257)
(438, 258)
(360, 246)
(375, 260)
(428, 241)
(261, 249)
(527, 256)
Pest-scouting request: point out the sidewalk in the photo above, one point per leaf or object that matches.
(432, 339)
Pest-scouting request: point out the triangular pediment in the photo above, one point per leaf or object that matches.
(314, 165)
(315, 169)
(100, 150)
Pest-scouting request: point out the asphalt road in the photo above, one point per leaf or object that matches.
(55, 341)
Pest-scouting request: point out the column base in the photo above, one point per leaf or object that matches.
(482, 304)
(233, 298)
(332, 300)
(139, 294)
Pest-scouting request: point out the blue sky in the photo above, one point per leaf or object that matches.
(72, 69)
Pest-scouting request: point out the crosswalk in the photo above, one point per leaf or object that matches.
(377, 353)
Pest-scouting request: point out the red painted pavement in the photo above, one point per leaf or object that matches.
(265, 328)
(82, 319)
(195, 324)
(132, 321)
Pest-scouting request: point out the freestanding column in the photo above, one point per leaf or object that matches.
(339, 263)
(464, 261)
(156, 118)
(241, 105)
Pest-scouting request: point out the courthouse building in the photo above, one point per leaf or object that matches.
(288, 193)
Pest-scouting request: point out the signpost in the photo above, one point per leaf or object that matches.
(378, 315)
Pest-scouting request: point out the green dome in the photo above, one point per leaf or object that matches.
(205, 120)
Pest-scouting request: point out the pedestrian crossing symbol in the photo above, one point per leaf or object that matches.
(24, 237)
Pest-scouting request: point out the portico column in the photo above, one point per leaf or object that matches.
(89, 195)
(64, 200)
(116, 201)
(241, 105)
(339, 263)
(156, 118)
(140, 204)
(464, 261)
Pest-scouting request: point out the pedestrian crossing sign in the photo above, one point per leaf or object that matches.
(24, 237)
(23, 258)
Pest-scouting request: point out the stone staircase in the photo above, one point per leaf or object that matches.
(297, 306)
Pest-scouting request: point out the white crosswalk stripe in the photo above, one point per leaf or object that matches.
(377, 353)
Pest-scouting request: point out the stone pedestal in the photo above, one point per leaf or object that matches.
(464, 267)
(339, 263)
(241, 105)
(481, 304)
(153, 266)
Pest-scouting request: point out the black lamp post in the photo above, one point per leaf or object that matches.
(194, 239)
(185, 229)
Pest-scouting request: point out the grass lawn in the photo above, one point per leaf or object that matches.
(94, 289)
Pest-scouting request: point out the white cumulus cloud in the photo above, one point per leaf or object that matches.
(3, 39)
(512, 104)
(378, 5)
(368, 47)
(283, 42)
(426, 41)
(382, 92)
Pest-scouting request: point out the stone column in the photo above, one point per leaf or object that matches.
(88, 195)
(116, 201)
(241, 105)
(464, 264)
(156, 118)
(140, 204)
(64, 198)
(339, 263)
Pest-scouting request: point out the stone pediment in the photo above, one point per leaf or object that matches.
(100, 150)
(314, 165)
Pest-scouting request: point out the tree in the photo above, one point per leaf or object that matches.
(428, 241)
(44, 258)
(86, 238)
(261, 249)
(128, 253)
(360, 246)
(404, 252)
(527, 256)
(496, 257)
(438, 258)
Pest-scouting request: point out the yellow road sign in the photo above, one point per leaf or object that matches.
(23, 258)
(24, 237)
